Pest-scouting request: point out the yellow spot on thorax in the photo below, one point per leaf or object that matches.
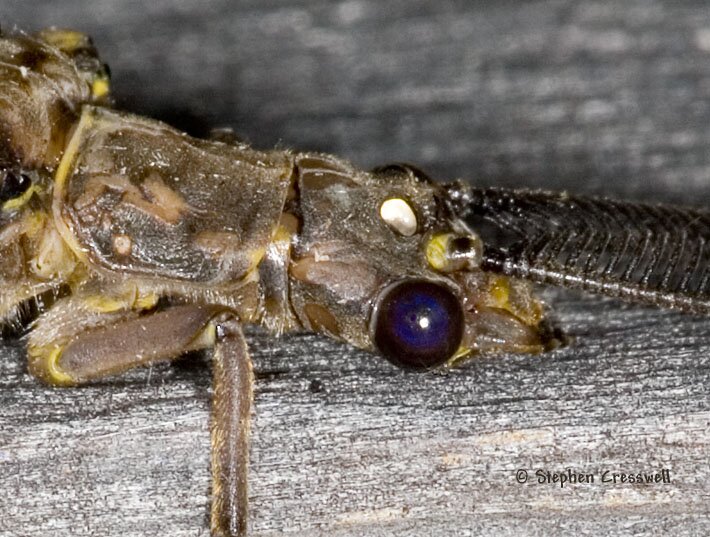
(61, 177)
(131, 299)
(65, 40)
(19, 201)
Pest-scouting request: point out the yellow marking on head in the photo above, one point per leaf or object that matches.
(19, 201)
(55, 375)
(100, 87)
(504, 294)
(459, 356)
(436, 250)
(61, 176)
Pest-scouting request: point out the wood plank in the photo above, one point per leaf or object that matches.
(595, 96)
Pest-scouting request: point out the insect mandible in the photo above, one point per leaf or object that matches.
(153, 244)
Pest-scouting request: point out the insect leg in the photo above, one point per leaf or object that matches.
(93, 345)
(230, 430)
(130, 340)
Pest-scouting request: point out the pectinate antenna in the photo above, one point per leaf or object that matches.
(651, 254)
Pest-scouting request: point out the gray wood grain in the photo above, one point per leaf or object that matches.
(591, 96)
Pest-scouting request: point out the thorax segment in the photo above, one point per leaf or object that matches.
(135, 196)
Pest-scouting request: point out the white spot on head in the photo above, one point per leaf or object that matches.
(24, 71)
(398, 215)
(424, 323)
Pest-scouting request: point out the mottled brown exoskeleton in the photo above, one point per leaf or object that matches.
(159, 244)
(153, 244)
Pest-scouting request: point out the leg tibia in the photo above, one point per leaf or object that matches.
(230, 430)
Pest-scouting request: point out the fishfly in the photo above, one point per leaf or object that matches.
(147, 243)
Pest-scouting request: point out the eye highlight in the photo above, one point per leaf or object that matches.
(417, 324)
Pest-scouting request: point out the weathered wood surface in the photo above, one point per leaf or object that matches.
(593, 96)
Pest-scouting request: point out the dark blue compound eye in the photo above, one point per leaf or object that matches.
(417, 324)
